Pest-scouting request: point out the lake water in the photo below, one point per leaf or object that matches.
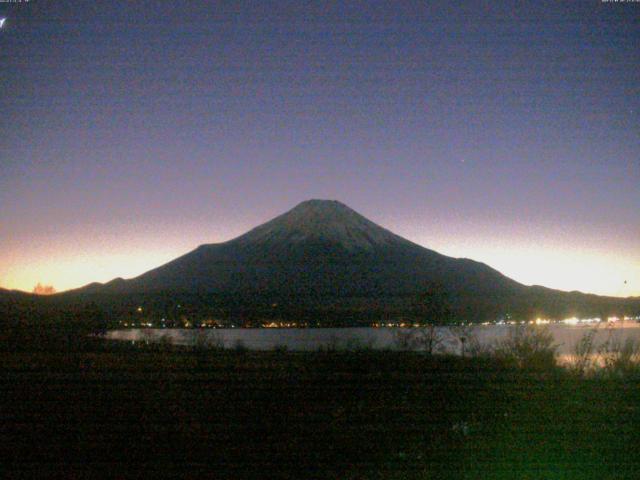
(306, 339)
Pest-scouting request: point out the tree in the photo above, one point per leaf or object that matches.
(432, 309)
(94, 319)
(465, 336)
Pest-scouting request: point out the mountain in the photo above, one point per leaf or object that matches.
(324, 256)
(318, 248)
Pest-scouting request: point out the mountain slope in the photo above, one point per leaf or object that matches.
(317, 248)
(322, 255)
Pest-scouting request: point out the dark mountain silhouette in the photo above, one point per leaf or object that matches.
(318, 248)
(323, 263)
(4, 293)
(323, 255)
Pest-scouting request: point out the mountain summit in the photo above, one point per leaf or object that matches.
(326, 221)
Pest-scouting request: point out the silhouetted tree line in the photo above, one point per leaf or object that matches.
(37, 325)
(73, 321)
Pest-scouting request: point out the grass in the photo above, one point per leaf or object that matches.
(357, 414)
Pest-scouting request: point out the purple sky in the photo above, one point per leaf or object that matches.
(507, 132)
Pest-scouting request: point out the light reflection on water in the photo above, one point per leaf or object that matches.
(307, 339)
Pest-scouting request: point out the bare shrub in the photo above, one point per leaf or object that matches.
(146, 336)
(465, 338)
(429, 339)
(330, 345)
(475, 348)
(528, 346)
(619, 358)
(584, 354)
(216, 340)
(201, 340)
(403, 339)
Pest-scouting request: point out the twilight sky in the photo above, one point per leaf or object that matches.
(503, 131)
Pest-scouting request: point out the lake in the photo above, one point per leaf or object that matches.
(306, 339)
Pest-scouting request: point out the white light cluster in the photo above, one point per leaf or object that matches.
(541, 321)
(578, 321)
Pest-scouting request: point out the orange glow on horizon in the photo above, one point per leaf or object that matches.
(548, 262)
(75, 260)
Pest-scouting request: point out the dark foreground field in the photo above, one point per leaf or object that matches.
(314, 415)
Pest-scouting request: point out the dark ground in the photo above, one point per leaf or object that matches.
(231, 414)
